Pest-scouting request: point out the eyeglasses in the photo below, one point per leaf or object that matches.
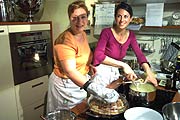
(80, 17)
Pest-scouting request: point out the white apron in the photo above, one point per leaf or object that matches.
(63, 94)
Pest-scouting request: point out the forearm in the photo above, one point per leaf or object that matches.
(113, 62)
(146, 67)
(78, 78)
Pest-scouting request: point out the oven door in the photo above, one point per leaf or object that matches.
(31, 54)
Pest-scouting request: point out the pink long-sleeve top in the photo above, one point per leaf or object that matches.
(108, 46)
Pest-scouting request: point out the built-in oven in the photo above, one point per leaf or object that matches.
(31, 51)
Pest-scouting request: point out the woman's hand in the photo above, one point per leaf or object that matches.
(92, 70)
(150, 75)
(151, 78)
(129, 73)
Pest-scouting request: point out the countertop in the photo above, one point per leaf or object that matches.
(81, 108)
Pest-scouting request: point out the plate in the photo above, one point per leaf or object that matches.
(142, 113)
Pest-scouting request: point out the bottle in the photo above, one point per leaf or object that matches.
(169, 84)
(176, 74)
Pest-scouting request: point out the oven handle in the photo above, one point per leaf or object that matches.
(38, 106)
(1, 31)
(37, 84)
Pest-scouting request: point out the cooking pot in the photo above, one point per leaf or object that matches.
(99, 108)
(171, 111)
(143, 94)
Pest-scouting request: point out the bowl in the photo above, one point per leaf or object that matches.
(60, 114)
(171, 111)
(142, 113)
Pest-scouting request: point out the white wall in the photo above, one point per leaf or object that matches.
(56, 11)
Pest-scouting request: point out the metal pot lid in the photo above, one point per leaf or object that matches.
(145, 87)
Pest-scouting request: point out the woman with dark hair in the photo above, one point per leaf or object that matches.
(69, 81)
(112, 47)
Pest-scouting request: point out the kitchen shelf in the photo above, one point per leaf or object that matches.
(164, 30)
(163, 27)
(139, 8)
(143, 2)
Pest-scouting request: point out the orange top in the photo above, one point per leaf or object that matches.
(69, 48)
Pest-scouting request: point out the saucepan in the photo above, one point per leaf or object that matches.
(171, 111)
(143, 94)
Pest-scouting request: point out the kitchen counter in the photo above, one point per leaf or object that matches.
(176, 97)
(81, 108)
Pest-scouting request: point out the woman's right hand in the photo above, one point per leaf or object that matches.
(102, 92)
(129, 73)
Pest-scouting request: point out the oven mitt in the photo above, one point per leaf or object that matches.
(100, 91)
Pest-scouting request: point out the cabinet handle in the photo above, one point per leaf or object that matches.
(39, 106)
(1, 31)
(37, 84)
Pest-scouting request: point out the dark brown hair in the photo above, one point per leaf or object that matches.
(75, 5)
(124, 6)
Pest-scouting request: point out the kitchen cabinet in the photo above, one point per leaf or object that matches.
(26, 100)
(7, 93)
(30, 98)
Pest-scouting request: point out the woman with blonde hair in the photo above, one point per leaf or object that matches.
(69, 81)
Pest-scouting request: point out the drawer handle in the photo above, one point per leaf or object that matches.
(1, 31)
(37, 84)
(39, 106)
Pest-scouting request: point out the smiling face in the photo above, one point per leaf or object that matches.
(78, 20)
(122, 18)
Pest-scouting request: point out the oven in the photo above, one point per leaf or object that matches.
(31, 51)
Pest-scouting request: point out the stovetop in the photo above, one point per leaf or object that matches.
(162, 97)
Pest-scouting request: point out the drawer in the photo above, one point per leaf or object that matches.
(32, 112)
(30, 92)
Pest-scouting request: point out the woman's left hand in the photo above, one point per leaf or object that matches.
(150, 75)
(151, 78)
